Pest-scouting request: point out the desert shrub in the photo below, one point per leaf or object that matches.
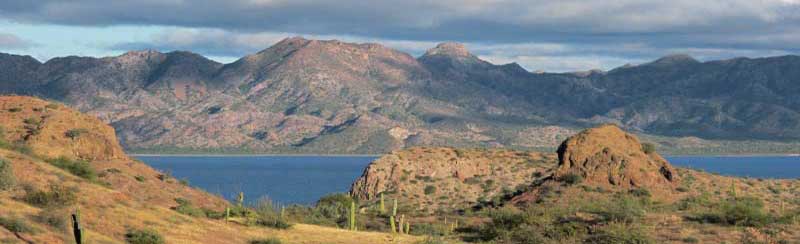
(503, 221)
(571, 179)
(186, 207)
(143, 237)
(54, 217)
(7, 179)
(623, 209)
(139, 178)
(742, 211)
(51, 106)
(430, 190)
(268, 215)
(430, 229)
(432, 240)
(75, 133)
(648, 147)
(14, 110)
(57, 195)
(620, 234)
(16, 225)
(640, 192)
(78, 168)
(272, 240)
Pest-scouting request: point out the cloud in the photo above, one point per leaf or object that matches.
(11, 41)
(539, 34)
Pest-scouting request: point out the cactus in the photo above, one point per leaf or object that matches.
(408, 227)
(353, 215)
(401, 224)
(227, 213)
(382, 209)
(240, 199)
(391, 223)
(394, 207)
(76, 227)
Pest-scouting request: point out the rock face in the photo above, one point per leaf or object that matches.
(445, 179)
(608, 156)
(52, 130)
(314, 96)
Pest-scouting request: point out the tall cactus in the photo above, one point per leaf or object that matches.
(401, 224)
(394, 208)
(76, 227)
(391, 222)
(382, 209)
(408, 227)
(240, 199)
(227, 213)
(353, 215)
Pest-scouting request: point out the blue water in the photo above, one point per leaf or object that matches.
(304, 179)
(785, 167)
(284, 179)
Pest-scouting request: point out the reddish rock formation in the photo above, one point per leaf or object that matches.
(608, 156)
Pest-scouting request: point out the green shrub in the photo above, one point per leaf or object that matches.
(743, 211)
(266, 241)
(144, 237)
(77, 167)
(186, 207)
(54, 217)
(648, 147)
(432, 240)
(571, 179)
(269, 216)
(75, 133)
(620, 234)
(57, 195)
(623, 209)
(430, 190)
(640, 192)
(428, 229)
(14, 110)
(7, 179)
(16, 225)
(139, 178)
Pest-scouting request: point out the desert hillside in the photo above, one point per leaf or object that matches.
(48, 172)
(603, 185)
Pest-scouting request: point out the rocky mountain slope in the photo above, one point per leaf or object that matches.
(113, 193)
(334, 97)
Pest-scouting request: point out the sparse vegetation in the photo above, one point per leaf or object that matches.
(738, 211)
(143, 237)
(266, 241)
(14, 110)
(55, 217)
(16, 225)
(78, 168)
(7, 179)
(619, 233)
(268, 215)
(75, 133)
(186, 207)
(430, 190)
(57, 195)
(648, 148)
(571, 179)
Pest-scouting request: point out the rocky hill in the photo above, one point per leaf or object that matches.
(447, 179)
(48, 173)
(318, 96)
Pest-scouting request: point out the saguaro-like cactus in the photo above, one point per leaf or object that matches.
(394, 208)
(391, 222)
(382, 209)
(353, 215)
(227, 213)
(76, 228)
(240, 199)
(408, 227)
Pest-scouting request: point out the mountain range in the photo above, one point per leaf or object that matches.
(315, 96)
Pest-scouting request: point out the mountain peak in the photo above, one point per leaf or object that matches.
(675, 59)
(449, 49)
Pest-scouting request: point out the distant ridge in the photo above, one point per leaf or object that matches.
(317, 96)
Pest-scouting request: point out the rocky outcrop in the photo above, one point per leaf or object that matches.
(52, 130)
(608, 156)
(445, 179)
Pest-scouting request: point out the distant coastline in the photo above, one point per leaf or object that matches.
(249, 155)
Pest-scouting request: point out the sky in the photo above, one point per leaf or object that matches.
(553, 36)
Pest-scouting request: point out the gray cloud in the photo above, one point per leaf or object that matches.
(11, 41)
(546, 33)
